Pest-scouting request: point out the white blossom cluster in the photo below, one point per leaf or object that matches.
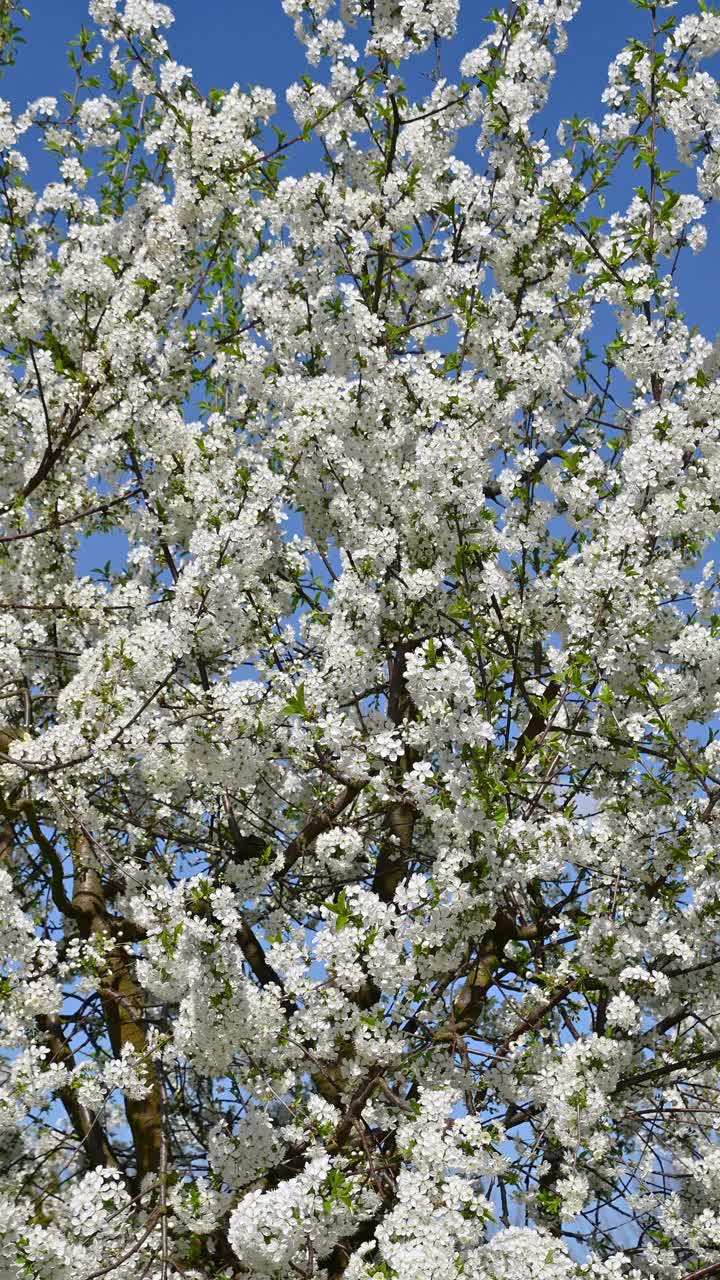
(359, 882)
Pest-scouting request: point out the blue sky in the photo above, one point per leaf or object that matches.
(228, 40)
(224, 41)
(254, 43)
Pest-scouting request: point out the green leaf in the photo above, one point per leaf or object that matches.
(296, 705)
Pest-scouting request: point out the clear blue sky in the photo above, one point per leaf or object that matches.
(227, 40)
(253, 43)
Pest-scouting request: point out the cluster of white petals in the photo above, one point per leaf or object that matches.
(359, 880)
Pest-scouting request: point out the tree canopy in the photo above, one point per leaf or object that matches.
(359, 878)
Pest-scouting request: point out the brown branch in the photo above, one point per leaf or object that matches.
(86, 1124)
(659, 1073)
(393, 858)
(353, 1111)
(533, 1019)
(339, 1260)
(57, 875)
(79, 515)
(712, 1270)
(151, 1224)
(123, 1006)
(319, 823)
(538, 722)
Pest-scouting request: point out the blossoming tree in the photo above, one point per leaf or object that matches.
(358, 850)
